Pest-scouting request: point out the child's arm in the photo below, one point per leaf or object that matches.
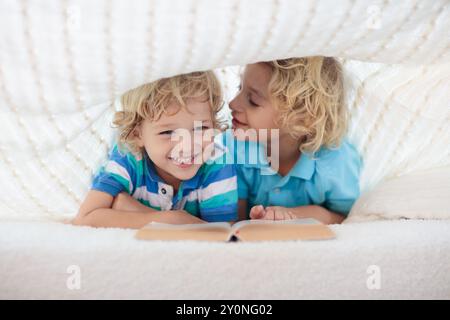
(282, 213)
(319, 213)
(97, 211)
(339, 180)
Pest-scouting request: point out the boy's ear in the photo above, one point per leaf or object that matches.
(137, 135)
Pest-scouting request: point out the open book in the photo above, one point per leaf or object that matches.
(247, 230)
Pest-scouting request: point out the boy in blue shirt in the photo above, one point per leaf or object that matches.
(299, 104)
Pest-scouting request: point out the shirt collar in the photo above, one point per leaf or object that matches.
(304, 167)
(192, 183)
(252, 154)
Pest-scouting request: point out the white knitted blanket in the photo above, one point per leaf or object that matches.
(62, 63)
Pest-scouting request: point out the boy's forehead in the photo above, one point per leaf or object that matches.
(177, 114)
(256, 77)
(258, 72)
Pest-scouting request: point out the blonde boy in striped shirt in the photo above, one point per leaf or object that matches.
(163, 167)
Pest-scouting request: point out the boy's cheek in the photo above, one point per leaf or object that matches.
(206, 153)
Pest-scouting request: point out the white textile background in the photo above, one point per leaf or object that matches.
(62, 63)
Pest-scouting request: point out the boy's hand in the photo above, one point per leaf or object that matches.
(257, 212)
(271, 213)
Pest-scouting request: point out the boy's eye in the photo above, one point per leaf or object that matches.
(202, 128)
(167, 132)
(253, 103)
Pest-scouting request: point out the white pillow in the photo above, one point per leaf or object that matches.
(419, 195)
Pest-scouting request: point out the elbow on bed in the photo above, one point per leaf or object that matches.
(84, 219)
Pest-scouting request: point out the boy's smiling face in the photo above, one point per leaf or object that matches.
(252, 107)
(169, 141)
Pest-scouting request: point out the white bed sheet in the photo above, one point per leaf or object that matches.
(412, 257)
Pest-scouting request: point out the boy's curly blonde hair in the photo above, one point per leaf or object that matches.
(150, 101)
(309, 95)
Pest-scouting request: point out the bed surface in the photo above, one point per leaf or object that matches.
(412, 257)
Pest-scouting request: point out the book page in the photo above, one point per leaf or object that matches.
(243, 223)
(247, 230)
(214, 231)
(192, 226)
(296, 229)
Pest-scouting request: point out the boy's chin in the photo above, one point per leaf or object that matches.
(184, 173)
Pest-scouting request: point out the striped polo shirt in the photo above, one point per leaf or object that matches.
(210, 195)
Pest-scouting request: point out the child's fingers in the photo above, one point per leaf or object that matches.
(270, 214)
(288, 215)
(291, 215)
(257, 212)
(279, 213)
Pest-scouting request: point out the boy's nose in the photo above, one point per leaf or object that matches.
(189, 148)
(234, 105)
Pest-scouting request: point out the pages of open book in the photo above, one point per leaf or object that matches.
(243, 223)
(227, 225)
(232, 228)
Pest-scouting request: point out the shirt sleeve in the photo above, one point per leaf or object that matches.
(341, 180)
(218, 194)
(116, 175)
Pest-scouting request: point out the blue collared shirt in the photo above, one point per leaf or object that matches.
(330, 179)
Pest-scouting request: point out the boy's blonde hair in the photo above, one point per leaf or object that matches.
(150, 101)
(309, 95)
